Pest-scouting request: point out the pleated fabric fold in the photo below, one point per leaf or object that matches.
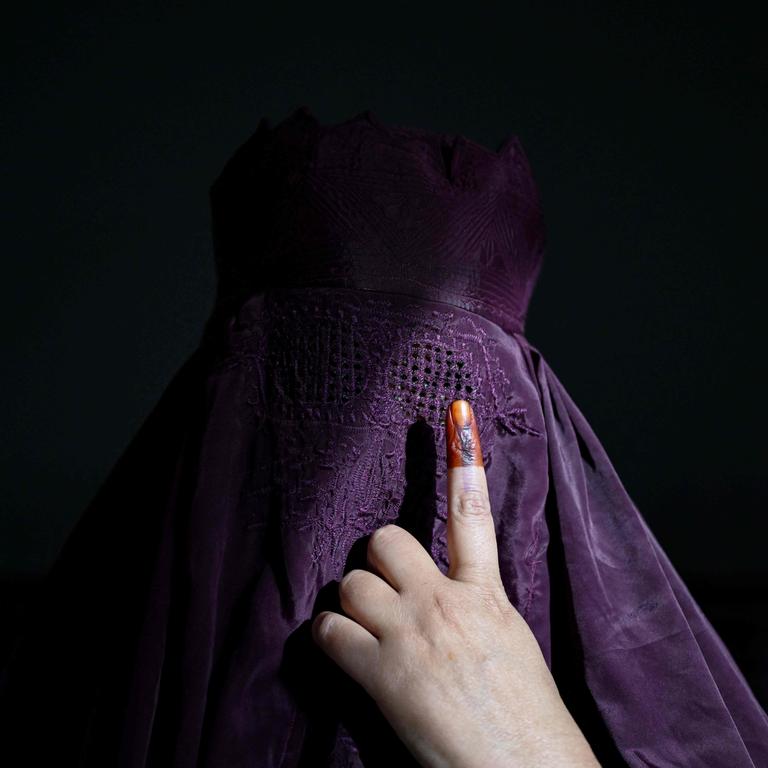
(665, 685)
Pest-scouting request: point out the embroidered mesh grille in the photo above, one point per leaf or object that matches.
(308, 361)
(305, 361)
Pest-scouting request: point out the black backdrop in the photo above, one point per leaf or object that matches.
(646, 129)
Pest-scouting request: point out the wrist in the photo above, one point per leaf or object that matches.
(549, 739)
(554, 740)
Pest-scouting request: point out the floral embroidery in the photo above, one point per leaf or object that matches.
(350, 404)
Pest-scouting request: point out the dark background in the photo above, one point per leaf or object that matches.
(646, 130)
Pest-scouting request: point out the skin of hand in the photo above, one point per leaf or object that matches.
(449, 661)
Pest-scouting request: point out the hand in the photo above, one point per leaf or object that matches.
(448, 659)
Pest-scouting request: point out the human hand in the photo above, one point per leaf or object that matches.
(449, 661)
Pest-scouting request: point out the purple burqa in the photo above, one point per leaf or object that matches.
(368, 274)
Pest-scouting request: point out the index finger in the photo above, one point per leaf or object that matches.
(471, 532)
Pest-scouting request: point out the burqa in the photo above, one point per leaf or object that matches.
(368, 274)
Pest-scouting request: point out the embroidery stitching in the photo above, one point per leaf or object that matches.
(350, 405)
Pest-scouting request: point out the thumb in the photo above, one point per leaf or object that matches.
(471, 532)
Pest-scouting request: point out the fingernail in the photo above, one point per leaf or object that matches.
(462, 436)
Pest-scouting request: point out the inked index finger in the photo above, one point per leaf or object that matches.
(471, 532)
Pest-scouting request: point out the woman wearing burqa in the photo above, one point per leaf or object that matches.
(368, 276)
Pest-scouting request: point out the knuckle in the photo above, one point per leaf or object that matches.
(350, 588)
(383, 535)
(474, 504)
(496, 601)
(446, 608)
(325, 627)
(479, 572)
(348, 581)
(494, 598)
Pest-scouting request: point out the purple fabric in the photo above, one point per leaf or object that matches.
(368, 275)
